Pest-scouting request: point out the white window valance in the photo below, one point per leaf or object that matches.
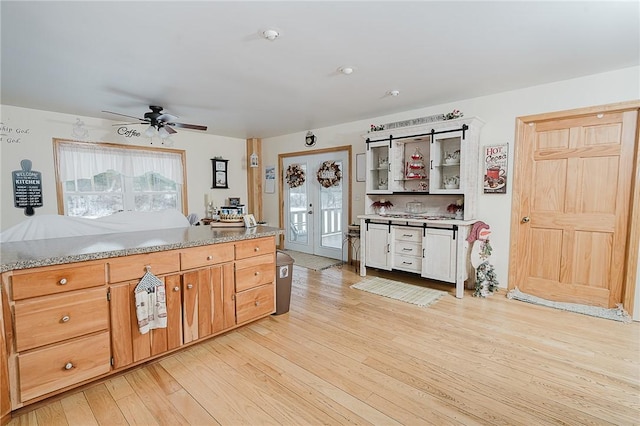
(84, 161)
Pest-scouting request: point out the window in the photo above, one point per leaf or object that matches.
(96, 180)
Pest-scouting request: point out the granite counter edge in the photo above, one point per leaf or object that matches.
(61, 260)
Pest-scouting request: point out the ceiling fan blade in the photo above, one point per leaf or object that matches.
(124, 115)
(188, 126)
(127, 124)
(170, 130)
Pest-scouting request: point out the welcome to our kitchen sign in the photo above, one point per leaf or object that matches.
(27, 188)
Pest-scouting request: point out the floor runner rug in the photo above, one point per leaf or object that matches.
(616, 314)
(410, 293)
(310, 261)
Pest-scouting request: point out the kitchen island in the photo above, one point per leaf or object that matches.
(69, 309)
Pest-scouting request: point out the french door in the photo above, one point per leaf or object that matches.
(315, 216)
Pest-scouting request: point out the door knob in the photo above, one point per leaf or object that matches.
(525, 219)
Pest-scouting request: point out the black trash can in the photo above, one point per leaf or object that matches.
(284, 273)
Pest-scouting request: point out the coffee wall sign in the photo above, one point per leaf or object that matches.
(128, 133)
(495, 169)
(27, 188)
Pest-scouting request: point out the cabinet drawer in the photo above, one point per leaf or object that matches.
(133, 267)
(206, 255)
(254, 303)
(405, 248)
(255, 247)
(407, 234)
(53, 280)
(54, 367)
(52, 319)
(407, 263)
(262, 273)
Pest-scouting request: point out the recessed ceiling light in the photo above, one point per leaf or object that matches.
(393, 92)
(270, 34)
(346, 70)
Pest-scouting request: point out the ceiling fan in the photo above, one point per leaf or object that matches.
(160, 122)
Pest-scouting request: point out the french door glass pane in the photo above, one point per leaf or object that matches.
(298, 220)
(331, 214)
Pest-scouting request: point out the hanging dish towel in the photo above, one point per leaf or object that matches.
(151, 303)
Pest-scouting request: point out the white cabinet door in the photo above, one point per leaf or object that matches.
(439, 262)
(377, 249)
(447, 165)
(379, 168)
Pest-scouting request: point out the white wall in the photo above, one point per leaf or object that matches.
(36, 145)
(499, 113)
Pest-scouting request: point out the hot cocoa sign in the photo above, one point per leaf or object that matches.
(495, 169)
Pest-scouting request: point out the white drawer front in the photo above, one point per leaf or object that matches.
(407, 234)
(405, 248)
(407, 263)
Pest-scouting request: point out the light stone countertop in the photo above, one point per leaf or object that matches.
(57, 251)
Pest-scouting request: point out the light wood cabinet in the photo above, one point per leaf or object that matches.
(51, 368)
(195, 301)
(59, 331)
(203, 305)
(255, 277)
(65, 325)
(45, 320)
(128, 344)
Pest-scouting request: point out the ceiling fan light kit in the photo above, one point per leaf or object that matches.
(160, 124)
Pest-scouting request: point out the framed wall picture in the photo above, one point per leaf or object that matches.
(234, 201)
(219, 173)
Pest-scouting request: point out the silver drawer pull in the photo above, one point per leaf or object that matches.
(209, 257)
(256, 249)
(256, 273)
(407, 263)
(407, 235)
(407, 249)
(176, 288)
(68, 366)
(66, 318)
(63, 281)
(257, 303)
(189, 286)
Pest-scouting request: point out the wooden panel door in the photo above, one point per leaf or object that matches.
(571, 205)
(190, 318)
(127, 344)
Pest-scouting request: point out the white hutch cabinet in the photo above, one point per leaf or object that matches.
(421, 170)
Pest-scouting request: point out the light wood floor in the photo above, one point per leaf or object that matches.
(344, 356)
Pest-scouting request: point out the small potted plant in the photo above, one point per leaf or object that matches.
(381, 206)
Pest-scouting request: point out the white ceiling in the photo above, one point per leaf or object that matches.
(205, 61)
